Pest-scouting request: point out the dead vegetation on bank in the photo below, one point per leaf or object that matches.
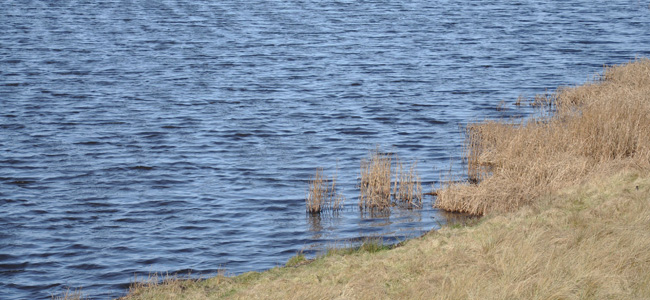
(589, 127)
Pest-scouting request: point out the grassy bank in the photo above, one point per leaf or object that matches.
(586, 130)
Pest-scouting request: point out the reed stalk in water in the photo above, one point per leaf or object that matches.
(321, 196)
(375, 181)
(407, 188)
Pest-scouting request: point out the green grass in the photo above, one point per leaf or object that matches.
(296, 260)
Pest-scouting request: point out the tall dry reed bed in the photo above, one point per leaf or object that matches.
(591, 128)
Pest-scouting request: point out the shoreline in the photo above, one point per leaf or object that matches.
(561, 247)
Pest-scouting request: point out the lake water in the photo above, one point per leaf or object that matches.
(175, 136)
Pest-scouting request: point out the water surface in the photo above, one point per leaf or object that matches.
(176, 136)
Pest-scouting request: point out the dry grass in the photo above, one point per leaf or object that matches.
(590, 127)
(502, 106)
(375, 181)
(168, 287)
(587, 242)
(375, 186)
(407, 187)
(297, 260)
(70, 295)
(321, 196)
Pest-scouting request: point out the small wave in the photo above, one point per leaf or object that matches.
(140, 167)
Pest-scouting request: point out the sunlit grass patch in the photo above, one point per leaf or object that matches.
(368, 244)
(296, 260)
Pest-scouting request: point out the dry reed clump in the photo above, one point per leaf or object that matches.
(590, 126)
(322, 196)
(375, 181)
(375, 185)
(407, 187)
(70, 295)
(166, 286)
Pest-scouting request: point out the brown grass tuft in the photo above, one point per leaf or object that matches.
(375, 181)
(169, 287)
(375, 186)
(322, 196)
(70, 295)
(589, 127)
(407, 187)
(501, 106)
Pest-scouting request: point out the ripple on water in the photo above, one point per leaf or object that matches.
(180, 136)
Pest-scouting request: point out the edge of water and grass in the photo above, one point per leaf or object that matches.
(565, 205)
(586, 242)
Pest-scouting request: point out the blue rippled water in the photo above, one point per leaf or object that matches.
(175, 136)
